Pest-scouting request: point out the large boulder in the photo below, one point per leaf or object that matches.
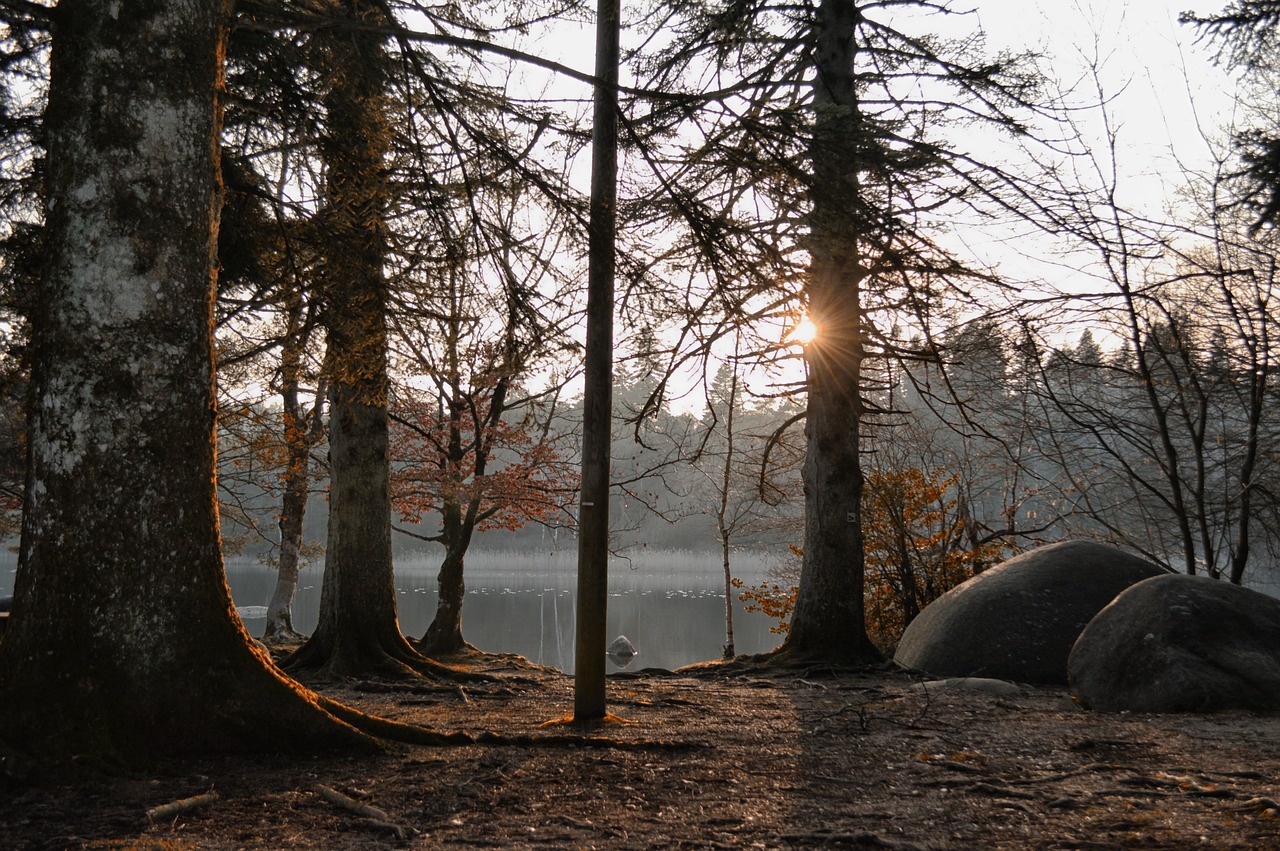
(1180, 644)
(1018, 620)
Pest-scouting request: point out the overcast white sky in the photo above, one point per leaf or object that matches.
(1166, 92)
(1164, 82)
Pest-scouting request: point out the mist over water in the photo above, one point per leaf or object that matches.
(669, 603)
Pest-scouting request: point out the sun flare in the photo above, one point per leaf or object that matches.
(804, 332)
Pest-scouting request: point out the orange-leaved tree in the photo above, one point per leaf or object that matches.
(915, 545)
(915, 552)
(776, 597)
(455, 454)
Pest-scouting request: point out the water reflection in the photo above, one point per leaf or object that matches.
(670, 605)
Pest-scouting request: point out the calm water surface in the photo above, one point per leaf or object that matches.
(669, 603)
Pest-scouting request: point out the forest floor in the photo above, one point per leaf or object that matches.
(712, 757)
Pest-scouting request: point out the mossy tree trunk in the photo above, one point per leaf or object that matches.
(124, 643)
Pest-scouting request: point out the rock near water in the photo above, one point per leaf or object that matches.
(1018, 620)
(1180, 644)
(622, 648)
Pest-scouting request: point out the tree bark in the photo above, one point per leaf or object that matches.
(301, 432)
(124, 644)
(279, 627)
(444, 636)
(593, 511)
(828, 621)
(358, 633)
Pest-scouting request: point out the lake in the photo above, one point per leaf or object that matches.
(669, 603)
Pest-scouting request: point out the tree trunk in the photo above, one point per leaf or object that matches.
(358, 633)
(593, 508)
(729, 650)
(723, 531)
(301, 432)
(124, 643)
(828, 621)
(279, 628)
(444, 636)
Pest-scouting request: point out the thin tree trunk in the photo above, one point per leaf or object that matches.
(123, 642)
(458, 526)
(279, 627)
(593, 513)
(729, 650)
(444, 636)
(1259, 374)
(301, 432)
(722, 514)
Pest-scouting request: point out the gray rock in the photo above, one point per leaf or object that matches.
(1180, 644)
(622, 648)
(986, 685)
(1018, 620)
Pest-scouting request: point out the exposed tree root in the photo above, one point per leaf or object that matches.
(789, 662)
(442, 647)
(609, 720)
(472, 658)
(359, 657)
(395, 731)
(861, 838)
(281, 637)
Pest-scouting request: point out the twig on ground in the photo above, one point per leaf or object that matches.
(182, 805)
(376, 817)
(1265, 806)
(1065, 775)
(957, 766)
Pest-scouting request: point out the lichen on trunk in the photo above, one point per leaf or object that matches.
(123, 643)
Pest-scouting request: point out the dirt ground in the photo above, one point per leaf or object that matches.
(712, 758)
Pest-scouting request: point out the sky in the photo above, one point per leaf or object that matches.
(1166, 93)
(1165, 85)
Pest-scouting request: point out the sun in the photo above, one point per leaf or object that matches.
(804, 332)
